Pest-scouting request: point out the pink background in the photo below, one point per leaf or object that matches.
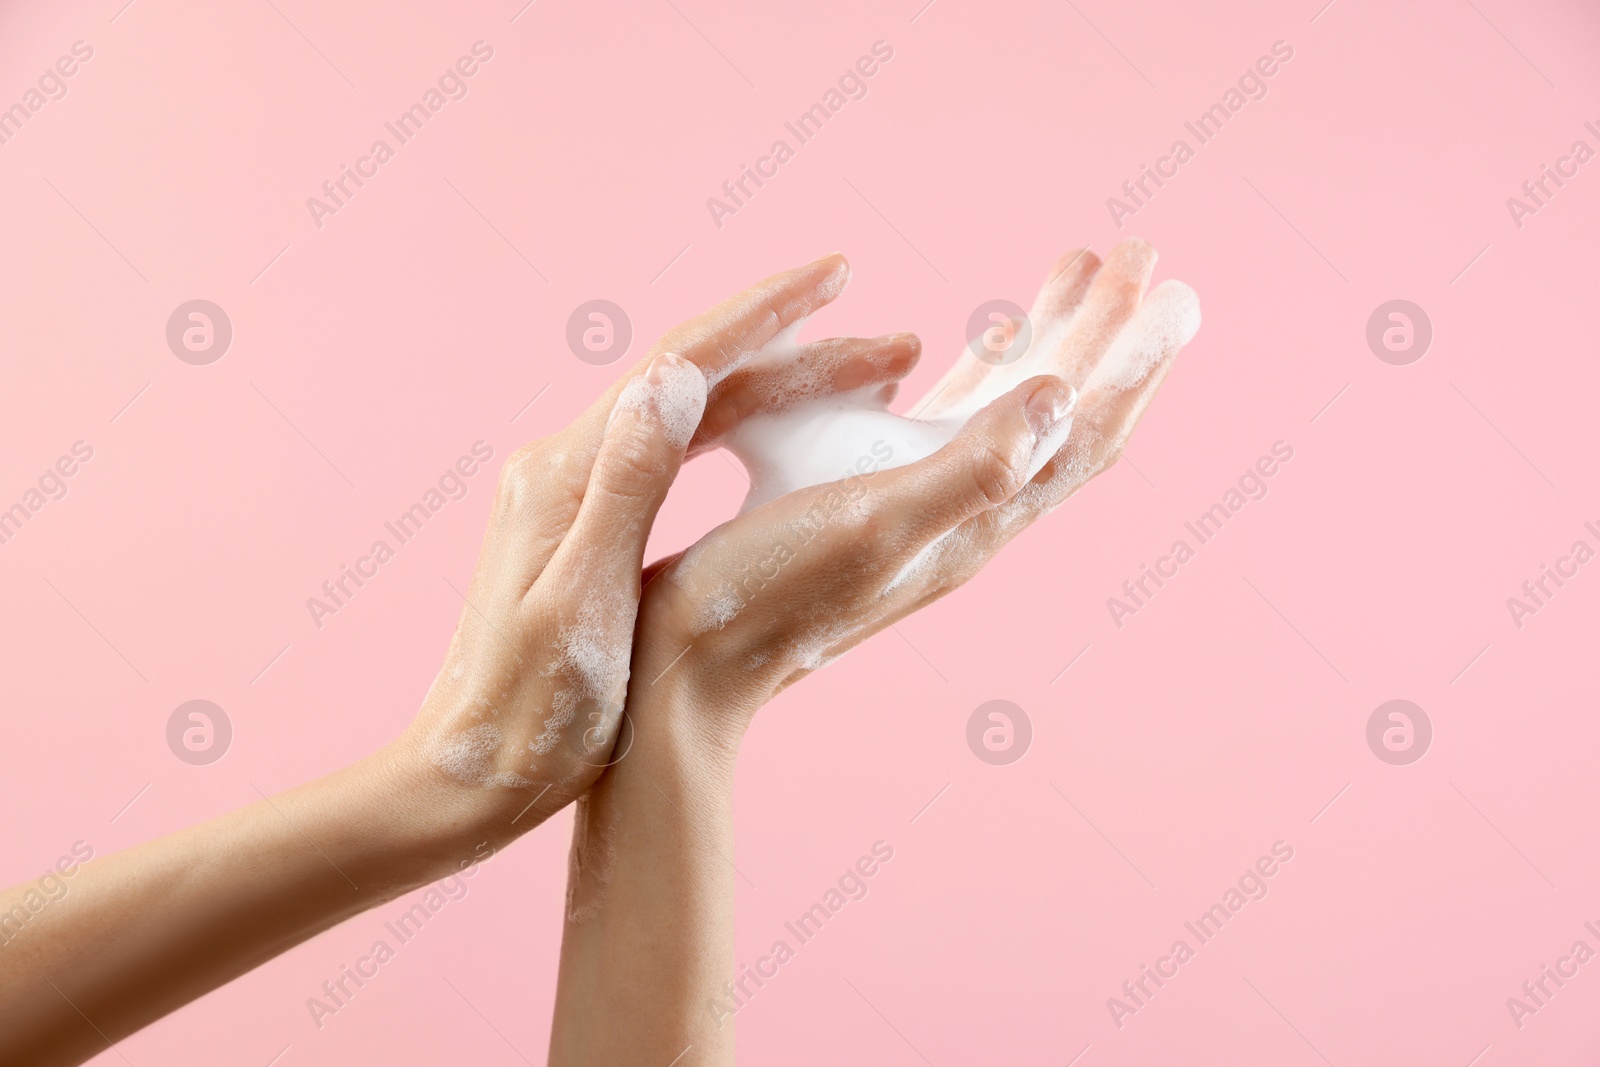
(1225, 716)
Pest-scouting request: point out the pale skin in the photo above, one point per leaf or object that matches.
(525, 711)
(648, 947)
(137, 934)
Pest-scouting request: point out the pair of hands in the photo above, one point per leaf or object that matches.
(564, 630)
(527, 706)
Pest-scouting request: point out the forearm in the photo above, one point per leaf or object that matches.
(137, 934)
(648, 940)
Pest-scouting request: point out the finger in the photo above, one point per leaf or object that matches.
(713, 341)
(639, 456)
(1165, 322)
(1063, 291)
(951, 561)
(1119, 391)
(973, 381)
(539, 491)
(588, 597)
(720, 340)
(1110, 301)
(822, 368)
(1107, 415)
(987, 463)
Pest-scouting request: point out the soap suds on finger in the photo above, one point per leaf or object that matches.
(672, 390)
(817, 436)
(1166, 321)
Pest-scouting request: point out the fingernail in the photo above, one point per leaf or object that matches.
(841, 267)
(1049, 414)
(892, 348)
(657, 371)
(1048, 405)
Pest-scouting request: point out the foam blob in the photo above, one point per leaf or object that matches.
(813, 436)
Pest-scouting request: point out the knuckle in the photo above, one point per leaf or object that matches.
(874, 535)
(868, 519)
(524, 469)
(632, 464)
(536, 472)
(996, 474)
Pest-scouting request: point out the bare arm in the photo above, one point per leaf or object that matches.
(649, 921)
(143, 932)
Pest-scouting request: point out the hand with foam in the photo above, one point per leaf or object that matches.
(801, 577)
(531, 694)
(805, 573)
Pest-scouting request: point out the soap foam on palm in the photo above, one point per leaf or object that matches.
(819, 437)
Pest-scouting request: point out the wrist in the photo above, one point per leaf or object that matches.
(437, 823)
(684, 726)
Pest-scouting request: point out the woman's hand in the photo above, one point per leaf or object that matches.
(791, 585)
(784, 588)
(525, 710)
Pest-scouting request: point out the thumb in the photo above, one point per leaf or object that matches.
(988, 462)
(649, 428)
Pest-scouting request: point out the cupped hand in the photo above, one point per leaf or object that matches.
(797, 580)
